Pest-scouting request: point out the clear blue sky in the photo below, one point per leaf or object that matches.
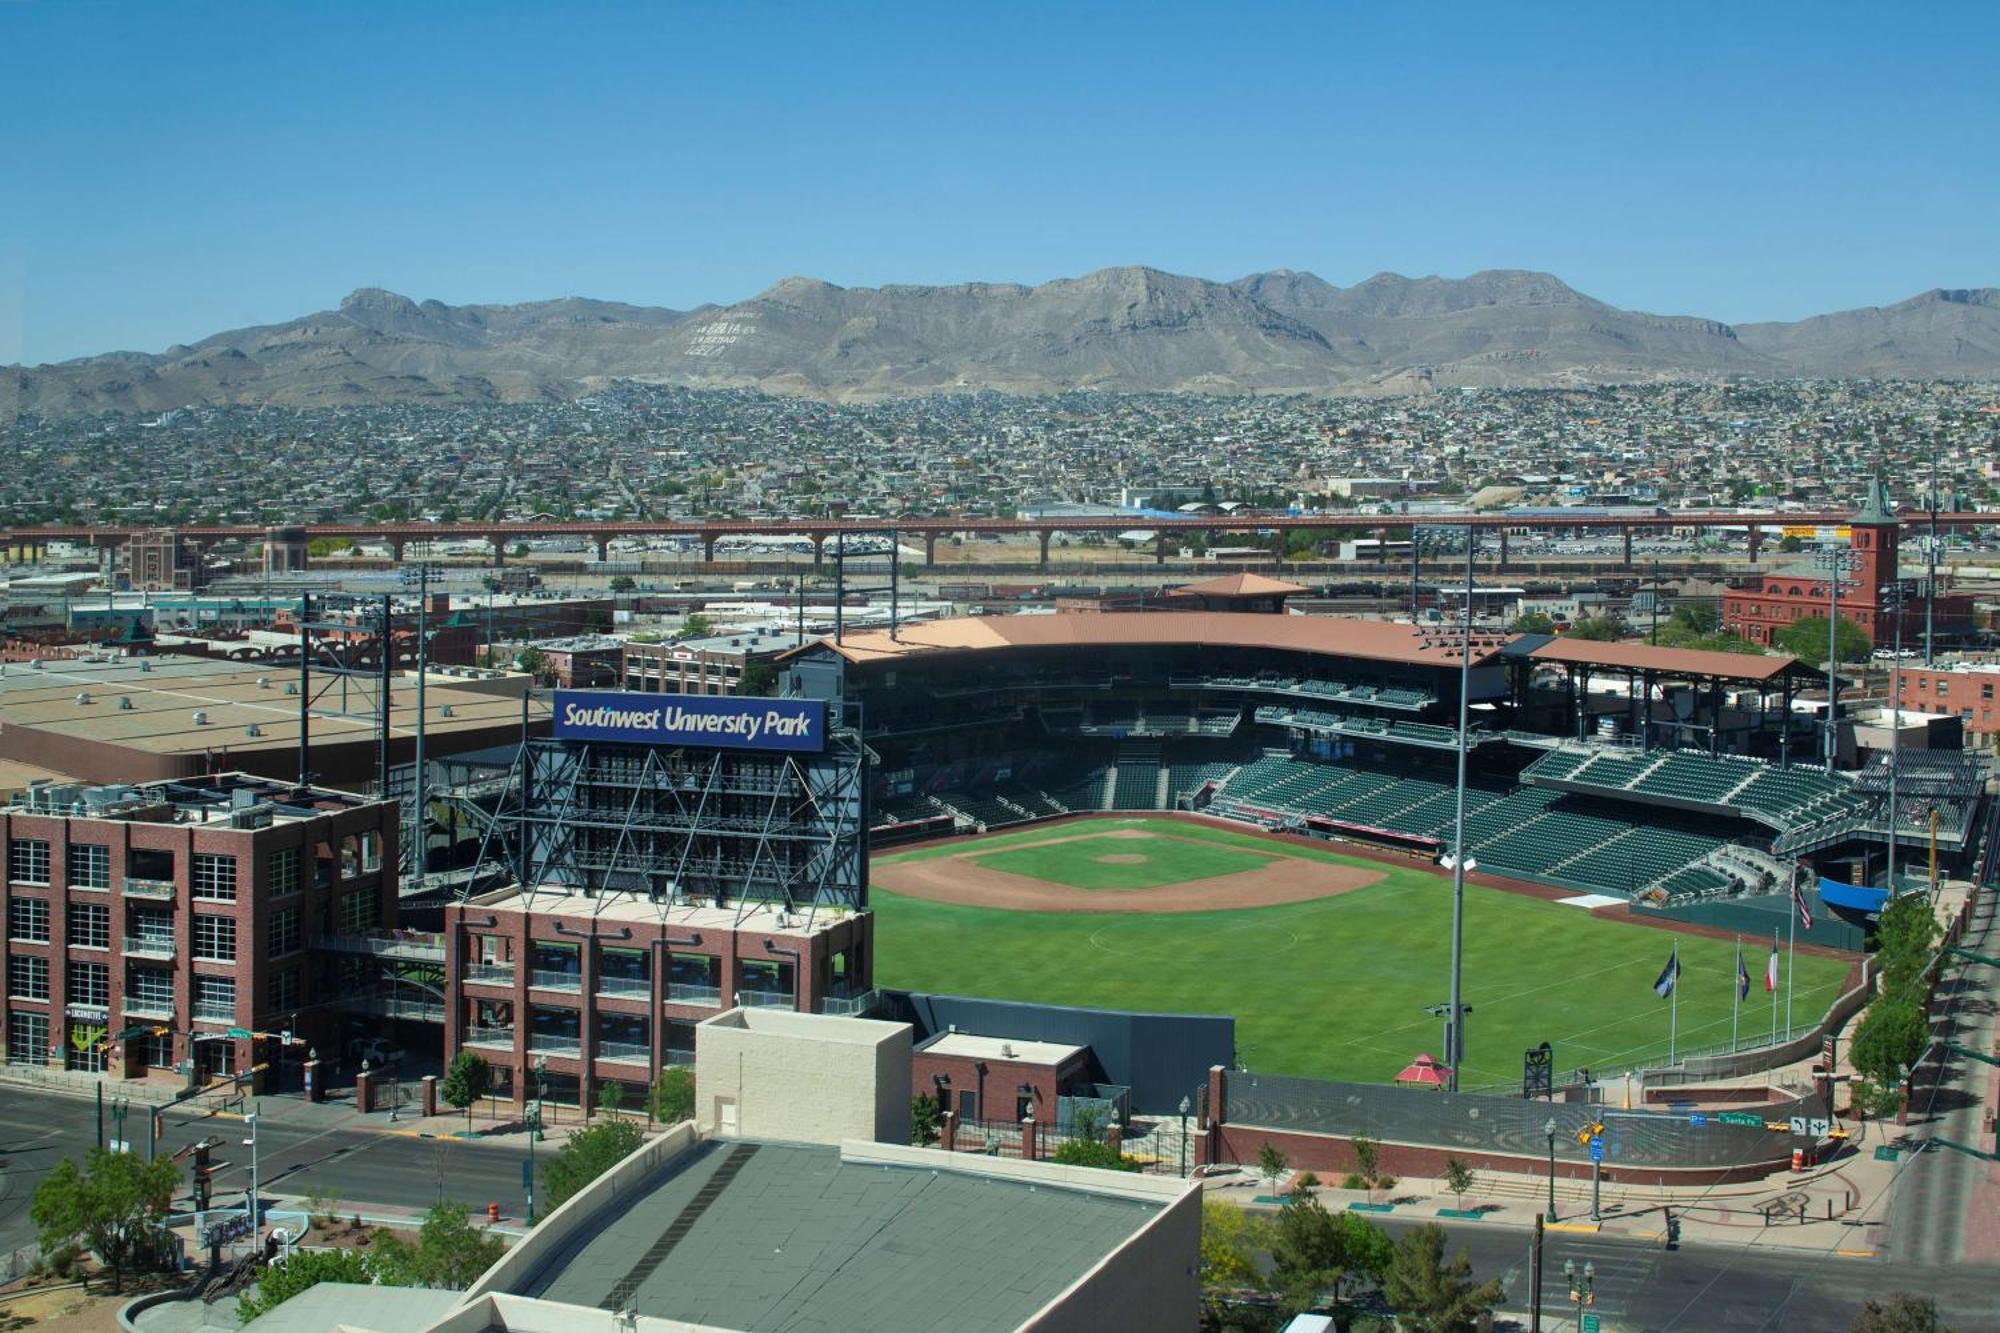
(174, 169)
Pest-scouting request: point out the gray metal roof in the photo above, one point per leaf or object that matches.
(766, 1237)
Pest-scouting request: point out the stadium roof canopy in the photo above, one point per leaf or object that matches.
(1238, 585)
(1327, 636)
(1677, 662)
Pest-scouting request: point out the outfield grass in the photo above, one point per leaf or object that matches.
(1336, 988)
(1162, 861)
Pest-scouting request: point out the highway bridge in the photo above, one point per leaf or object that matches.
(1758, 527)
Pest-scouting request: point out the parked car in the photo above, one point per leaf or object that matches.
(375, 1051)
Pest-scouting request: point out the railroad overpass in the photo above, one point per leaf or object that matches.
(34, 540)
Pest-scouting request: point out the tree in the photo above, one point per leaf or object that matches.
(623, 583)
(116, 1204)
(1699, 618)
(465, 1082)
(1089, 1152)
(1088, 1122)
(1892, 1035)
(1805, 639)
(1271, 1164)
(1320, 1257)
(1791, 544)
(1904, 938)
(610, 1098)
(696, 626)
(924, 1116)
(588, 1154)
(760, 679)
(1533, 622)
(1596, 629)
(299, 1271)
(1459, 1179)
(1903, 1314)
(1231, 1240)
(673, 1095)
(450, 1253)
(1430, 1295)
(533, 661)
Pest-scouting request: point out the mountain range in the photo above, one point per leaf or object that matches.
(1118, 329)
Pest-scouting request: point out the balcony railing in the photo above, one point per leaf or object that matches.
(490, 1037)
(680, 1055)
(683, 993)
(543, 979)
(848, 1006)
(136, 887)
(490, 974)
(543, 1043)
(215, 1011)
(137, 1008)
(149, 946)
(630, 1051)
(411, 946)
(767, 999)
(640, 986)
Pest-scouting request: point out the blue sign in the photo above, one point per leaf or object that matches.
(715, 721)
(1697, 1119)
(1597, 1148)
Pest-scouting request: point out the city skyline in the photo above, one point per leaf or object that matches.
(184, 171)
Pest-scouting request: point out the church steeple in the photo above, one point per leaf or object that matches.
(1874, 503)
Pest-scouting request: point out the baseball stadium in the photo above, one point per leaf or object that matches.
(1252, 813)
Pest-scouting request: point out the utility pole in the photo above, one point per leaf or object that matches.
(1836, 561)
(1893, 600)
(421, 823)
(1654, 639)
(250, 1122)
(1455, 1056)
(1930, 561)
(1535, 1283)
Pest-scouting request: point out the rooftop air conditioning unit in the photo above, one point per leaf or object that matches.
(445, 711)
(144, 665)
(200, 718)
(263, 682)
(124, 703)
(253, 730)
(35, 665)
(83, 697)
(291, 687)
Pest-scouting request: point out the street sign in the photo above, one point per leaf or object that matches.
(1590, 1324)
(1817, 1126)
(1798, 1124)
(1597, 1150)
(1697, 1119)
(527, 1175)
(241, 1034)
(1741, 1118)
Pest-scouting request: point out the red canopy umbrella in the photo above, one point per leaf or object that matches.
(1425, 1071)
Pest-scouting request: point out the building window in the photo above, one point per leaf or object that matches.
(285, 989)
(28, 978)
(27, 1038)
(28, 919)
(89, 866)
(282, 871)
(215, 999)
(215, 939)
(284, 931)
(28, 860)
(85, 1050)
(1944, 688)
(156, 1049)
(214, 877)
(89, 983)
(90, 925)
(360, 911)
(150, 988)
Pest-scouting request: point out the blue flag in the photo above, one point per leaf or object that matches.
(1669, 975)
(1742, 975)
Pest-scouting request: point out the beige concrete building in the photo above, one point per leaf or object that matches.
(809, 1078)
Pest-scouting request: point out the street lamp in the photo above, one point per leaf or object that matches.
(1455, 1054)
(1893, 598)
(534, 1133)
(1186, 1106)
(250, 1123)
(1581, 1293)
(1550, 1130)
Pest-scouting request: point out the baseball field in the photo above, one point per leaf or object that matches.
(1327, 961)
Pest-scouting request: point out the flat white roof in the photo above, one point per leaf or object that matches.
(966, 1046)
(560, 900)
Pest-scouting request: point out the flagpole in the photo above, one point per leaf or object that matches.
(1674, 1004)
(1736, 994)
(1774, 988)
(1791, 939)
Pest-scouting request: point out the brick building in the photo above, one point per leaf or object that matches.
(712, 665)
(995, 1078)
(1767, 603)
(1966, 690)
(581, 661)
(191, 906)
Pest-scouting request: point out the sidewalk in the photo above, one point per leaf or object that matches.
(1844, 1205)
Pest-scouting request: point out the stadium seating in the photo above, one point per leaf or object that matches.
(1081, 791)
(1136, 785)
(1185, 779)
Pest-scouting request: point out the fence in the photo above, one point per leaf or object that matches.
(1508, 1126)
(1722, 1062)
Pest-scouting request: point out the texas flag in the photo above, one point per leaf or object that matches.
(1771, 967)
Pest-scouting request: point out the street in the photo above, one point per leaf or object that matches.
(302, 1151)
(1696, 1288)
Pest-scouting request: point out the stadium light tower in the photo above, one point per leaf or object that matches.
(1455, 1056)
(1836, 560)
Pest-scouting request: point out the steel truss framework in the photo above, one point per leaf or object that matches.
(680, 824)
